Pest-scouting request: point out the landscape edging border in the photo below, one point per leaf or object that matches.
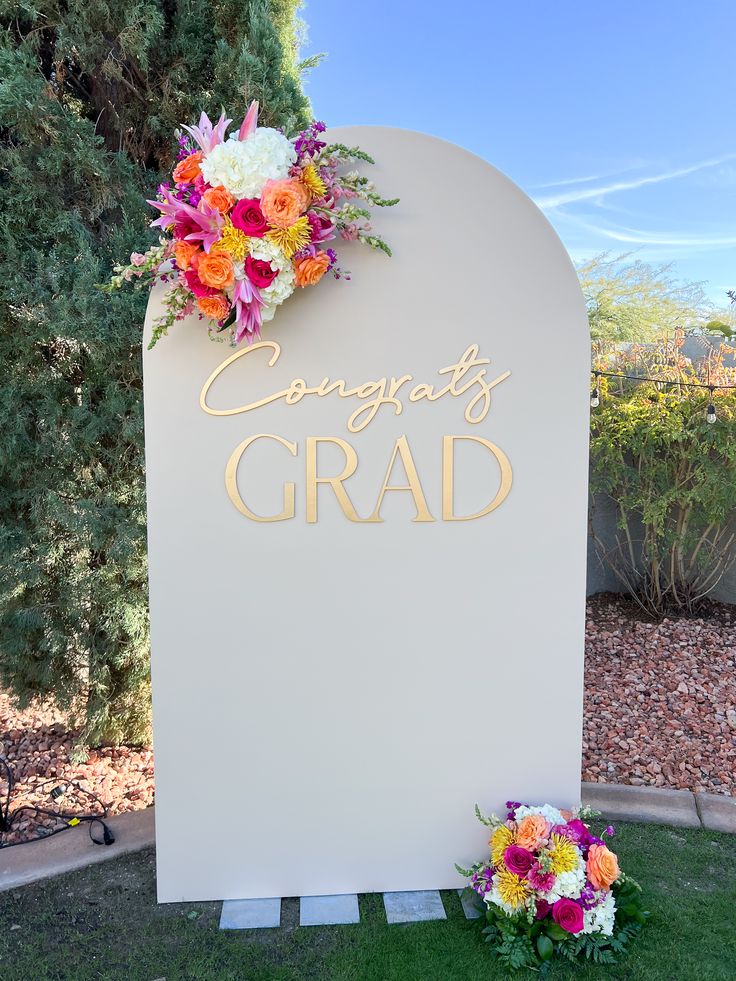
(134, 830)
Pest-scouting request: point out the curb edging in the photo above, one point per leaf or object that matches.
(135, 830)
(71, 850)
(660, 805)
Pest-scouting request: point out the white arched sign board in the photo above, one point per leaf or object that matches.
(334, 690)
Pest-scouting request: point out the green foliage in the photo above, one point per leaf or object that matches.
(633, 301)
(671, 474)
(90, 93)
(522, 942)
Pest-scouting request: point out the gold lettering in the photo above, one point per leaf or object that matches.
(231, 480)
(373, 394)
(448, 478)
(414, 486)
(351, 465)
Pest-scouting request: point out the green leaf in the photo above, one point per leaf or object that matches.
(545, 947)
(555, 932)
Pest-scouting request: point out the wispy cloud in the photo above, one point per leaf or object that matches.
(572, 181)
(590, 193)
(637, 236)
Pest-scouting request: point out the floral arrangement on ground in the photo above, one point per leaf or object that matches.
(247, 219)
(552, 889)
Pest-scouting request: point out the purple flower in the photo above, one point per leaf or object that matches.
(587, 898)
(307, 144)
(511, 806)
(482, 881)
(610, 831)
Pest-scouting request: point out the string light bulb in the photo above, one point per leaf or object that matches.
(710, 414)
(595, 395)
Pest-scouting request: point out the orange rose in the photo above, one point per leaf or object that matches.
(282, 202)
(216, 307)
(218, 197)
(532, 831)
(184, 253)
(215, 269)
(602, 867)
(187, 170)
(311, 269)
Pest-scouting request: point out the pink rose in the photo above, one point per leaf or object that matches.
(259, 272)
(196, 285)
(248, 217)
(518, 860)
(568, 915)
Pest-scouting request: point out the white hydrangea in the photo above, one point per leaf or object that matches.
(601, 918)
(243, 167)
(568, 884)
(546, 810)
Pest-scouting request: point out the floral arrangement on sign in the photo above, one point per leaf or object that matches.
(552, 888)
(247, 220)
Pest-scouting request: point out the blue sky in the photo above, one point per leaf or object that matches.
(617, 119)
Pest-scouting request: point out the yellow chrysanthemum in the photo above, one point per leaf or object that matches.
(501, 838)
(233, 241)
(512, 889)
(564, 856)
(313, 182)
(291, 239)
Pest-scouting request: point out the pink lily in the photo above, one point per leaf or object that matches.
(250, 122)
(209, 219)
(207, 135)
(248, 303)
(210, 223)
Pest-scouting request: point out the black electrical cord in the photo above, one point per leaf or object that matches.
(71, 819)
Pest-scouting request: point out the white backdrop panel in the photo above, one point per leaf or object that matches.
(332, 698)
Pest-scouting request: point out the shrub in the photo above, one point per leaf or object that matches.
(670, 473)
(89, 96)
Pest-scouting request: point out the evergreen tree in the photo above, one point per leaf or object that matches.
(90, 93)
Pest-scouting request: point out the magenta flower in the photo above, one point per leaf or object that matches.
(518, 860)
(196, 285)
(575, 831)
(321, 228)
(543, 908)
(259, 272)
(543, 881)
(205, 134)
(568, 915)
(248, 217)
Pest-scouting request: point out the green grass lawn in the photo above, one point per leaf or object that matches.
(104, 923)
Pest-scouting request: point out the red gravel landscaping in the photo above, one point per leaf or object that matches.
(660, 698)
(37, 745)
(660, 710)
